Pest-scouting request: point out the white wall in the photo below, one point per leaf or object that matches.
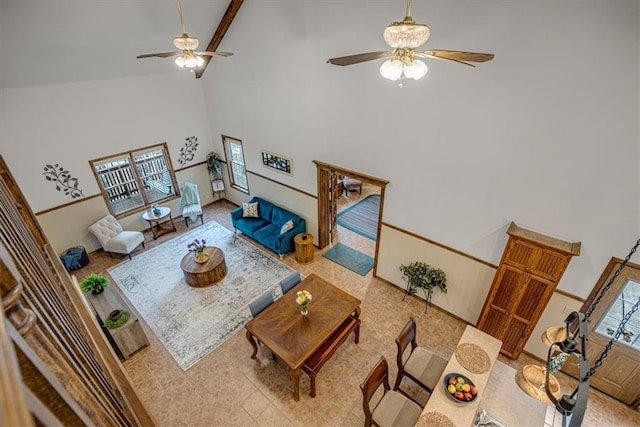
(545, 135)
(71, 124)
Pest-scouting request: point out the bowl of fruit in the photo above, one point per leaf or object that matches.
(460, 388)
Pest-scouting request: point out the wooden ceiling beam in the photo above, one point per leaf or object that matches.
(223, 26)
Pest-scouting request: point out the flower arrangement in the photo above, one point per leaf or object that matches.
(156, 209)
(197, 246)
(419, 274)
(303, 297)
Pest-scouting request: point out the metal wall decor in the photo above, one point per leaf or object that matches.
(277, 162)
(188, 152)
(64, 181)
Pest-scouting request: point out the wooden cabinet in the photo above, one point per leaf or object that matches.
(531, 267)
(129, 337)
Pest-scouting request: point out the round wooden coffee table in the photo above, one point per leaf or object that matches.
(200, 275)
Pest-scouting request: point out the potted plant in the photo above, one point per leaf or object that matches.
(94, 282)
(214, 166)
(419, 274)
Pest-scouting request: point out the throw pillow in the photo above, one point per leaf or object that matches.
(250, 210)
(286, 227)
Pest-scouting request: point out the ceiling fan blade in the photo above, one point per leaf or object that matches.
(159, 55)
(225, 54)
(361, 57)
(460, 56)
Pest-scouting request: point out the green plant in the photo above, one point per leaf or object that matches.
(214, 166)
(419, 274)
(94, 282)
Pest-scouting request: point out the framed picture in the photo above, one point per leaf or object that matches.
(276, 161)
(218, 185)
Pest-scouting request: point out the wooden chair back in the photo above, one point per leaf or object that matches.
(379, 375)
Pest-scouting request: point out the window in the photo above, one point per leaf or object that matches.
(235, 163)
(122, 176)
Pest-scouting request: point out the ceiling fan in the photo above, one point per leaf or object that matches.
(405, 37)
(187, 57)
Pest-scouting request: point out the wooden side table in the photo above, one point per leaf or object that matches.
(127, 338)
(304, 248)
(163, 221)
(199, 275)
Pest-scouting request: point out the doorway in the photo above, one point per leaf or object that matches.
(619, 374)
(331, 187)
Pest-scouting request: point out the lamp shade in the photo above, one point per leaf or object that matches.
(392, 69)
(406, 35)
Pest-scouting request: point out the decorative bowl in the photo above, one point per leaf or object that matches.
(465, 380)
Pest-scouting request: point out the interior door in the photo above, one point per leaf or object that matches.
(619, 374)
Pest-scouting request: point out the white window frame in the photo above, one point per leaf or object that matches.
(234, 152)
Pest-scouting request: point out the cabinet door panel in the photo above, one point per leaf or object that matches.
(550, 265)
(520, 253)
(534, 290)
(495, 323)
(507, 290)
(513, 337)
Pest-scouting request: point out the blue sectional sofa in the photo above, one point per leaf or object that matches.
(265, 229)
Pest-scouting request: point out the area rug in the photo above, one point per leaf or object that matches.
(191, 322)
(350, 258)
(362, 218)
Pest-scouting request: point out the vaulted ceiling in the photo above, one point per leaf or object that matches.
(60, 41)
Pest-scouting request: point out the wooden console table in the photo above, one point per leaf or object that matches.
(126, 339)
(199, 275)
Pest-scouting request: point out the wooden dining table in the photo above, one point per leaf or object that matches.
(293, 337)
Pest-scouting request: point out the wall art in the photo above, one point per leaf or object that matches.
(277, 162)
(188, 152)
(64, 181)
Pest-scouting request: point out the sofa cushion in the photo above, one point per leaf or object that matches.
(268, 236)
(286, 227)
(250, 225)
(250, 210)
(264, 208)
(280, 216)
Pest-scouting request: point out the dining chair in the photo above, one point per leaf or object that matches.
(393, 408)
(290, 281)
(263, 301)
(422, 366)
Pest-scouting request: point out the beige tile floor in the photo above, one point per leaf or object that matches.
(227, 388)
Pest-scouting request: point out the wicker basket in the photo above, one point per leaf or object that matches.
(531, 379)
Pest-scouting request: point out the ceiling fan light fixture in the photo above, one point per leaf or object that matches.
(391, 69)
(189, 60)
(415, 70)
(185, 42)
(406, 34)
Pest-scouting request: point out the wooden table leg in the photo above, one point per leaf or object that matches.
(295, 379)
(253, 343)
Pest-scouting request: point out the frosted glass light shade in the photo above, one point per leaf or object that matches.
(415, 70)
(185, 42)
(391, 69)
(406, 35)
(189, 60)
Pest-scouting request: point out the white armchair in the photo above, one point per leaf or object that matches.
(113, 238)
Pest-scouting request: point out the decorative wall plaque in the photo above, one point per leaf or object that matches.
(277, 162)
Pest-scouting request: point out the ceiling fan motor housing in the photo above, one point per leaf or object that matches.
(406, 34)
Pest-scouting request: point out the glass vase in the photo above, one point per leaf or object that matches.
(304, 310)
